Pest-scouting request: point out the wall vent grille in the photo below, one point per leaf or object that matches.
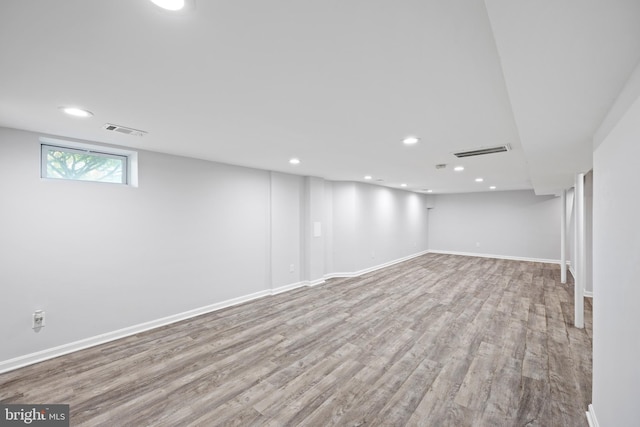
(124, 130)
(483, 151)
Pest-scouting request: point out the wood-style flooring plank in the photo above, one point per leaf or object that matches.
(439, 340)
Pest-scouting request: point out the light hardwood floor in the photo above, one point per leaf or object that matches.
(439, 340)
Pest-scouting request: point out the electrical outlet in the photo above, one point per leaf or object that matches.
(292, 268)
(38, 319)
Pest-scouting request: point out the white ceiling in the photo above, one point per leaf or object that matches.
(336, 83)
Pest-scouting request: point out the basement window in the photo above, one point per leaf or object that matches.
(84, 162)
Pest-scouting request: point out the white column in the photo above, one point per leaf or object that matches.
(580, 256)
(563, 237)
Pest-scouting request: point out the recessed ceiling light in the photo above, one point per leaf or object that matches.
(493, 187)
(169, 4)
(403, 185)
(410, 140)
(458, 168)
(294, 161)
(76, 112)
(367, 177)
(479, 179)
(429, 191)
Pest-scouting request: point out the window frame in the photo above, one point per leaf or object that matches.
(130, 159)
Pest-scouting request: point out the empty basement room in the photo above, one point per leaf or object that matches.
(218, 213)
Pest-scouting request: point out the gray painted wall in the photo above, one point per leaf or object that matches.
(328, 227)
(616, 269)
(374, 225)
(287, 192)
(502, 223)
(390, 224)
(588, 234)
(344, 221)
(314, 240)
(571, 229)
(99, 257)
(192, 234)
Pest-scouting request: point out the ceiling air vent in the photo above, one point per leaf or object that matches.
(125, 130)
(441, 166)
(483, 151)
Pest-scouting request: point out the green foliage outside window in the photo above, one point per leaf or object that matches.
(77, 165)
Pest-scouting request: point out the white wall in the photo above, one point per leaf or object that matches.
(99, 258)
(502, 223)
(616, 272)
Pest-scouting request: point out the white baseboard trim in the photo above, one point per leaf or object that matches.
(285, 288)
(591, 417)
(512, 258)
(586, 294)
(375, 267)
(315, 282)
(50, 353)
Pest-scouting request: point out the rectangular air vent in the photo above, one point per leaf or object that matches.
(483, 151)
(125, 130)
